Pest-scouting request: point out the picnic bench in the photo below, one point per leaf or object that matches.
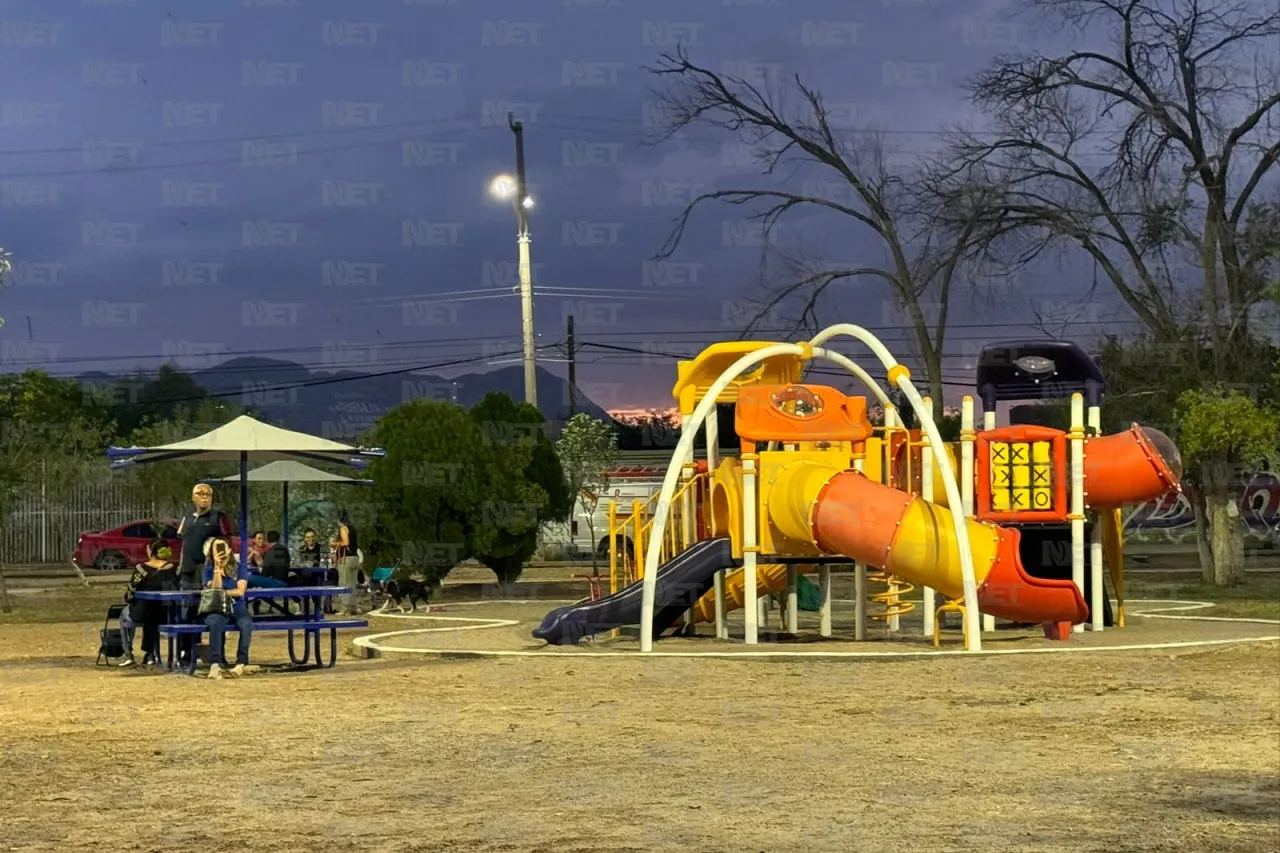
(309, 623)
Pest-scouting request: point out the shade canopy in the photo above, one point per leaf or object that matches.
(245, 438)
(242, 440)
(289, 471)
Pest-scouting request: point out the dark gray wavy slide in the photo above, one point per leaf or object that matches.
(681, 582)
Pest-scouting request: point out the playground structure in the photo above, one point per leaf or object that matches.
(816, 484)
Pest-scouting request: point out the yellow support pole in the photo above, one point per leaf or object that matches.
(637, 511)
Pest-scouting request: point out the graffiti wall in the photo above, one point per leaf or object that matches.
(1172, 518)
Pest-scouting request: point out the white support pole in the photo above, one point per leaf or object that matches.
(860, 602)
(793, 599)
(653, 550)
(860, 579)
(1097, 604)
(1077, 496)
(967, 438)
(988, 422)
(713, 461)
(960, 524)
(722, 627)
(824, 586)
(750, 551)
(926, 489)
(687, 511)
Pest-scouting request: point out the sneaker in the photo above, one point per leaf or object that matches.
(236, 671)
(129, 661)
(215, 671)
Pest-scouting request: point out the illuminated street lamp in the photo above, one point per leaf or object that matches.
(512, 188)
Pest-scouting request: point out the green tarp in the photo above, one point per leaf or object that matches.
(808, 593)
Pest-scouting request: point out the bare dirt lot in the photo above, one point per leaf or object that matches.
(1126, 751)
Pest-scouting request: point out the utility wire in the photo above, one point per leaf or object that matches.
(431, 122)
(892, 334)
(148, 167)
(314, 383)
(646, 136)
(260, 137)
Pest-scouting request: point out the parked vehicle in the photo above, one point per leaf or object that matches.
(126, 545)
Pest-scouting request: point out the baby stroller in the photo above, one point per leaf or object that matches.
(377, 586)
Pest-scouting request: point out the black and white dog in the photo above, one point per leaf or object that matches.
(398, 591)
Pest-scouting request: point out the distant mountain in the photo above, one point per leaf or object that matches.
(342, 404)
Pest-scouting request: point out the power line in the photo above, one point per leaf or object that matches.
(894, 334)
(637, 133)
(431, 122)
(260, 137)
(127, 170)
(314, 383)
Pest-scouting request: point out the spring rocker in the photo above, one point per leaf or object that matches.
(816, 485)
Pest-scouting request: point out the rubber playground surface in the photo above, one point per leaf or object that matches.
(1172, 749)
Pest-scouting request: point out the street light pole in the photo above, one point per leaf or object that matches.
(526, 270)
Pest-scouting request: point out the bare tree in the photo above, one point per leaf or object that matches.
(1147, 155)
(878, 199)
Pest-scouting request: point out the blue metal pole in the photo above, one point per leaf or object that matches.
(244, 514)
(284, 523)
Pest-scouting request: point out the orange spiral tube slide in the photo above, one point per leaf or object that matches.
(843, 512)
(1130, 467)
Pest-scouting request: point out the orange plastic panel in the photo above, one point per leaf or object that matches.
(907, 475)
(794, 413)
(984, 508)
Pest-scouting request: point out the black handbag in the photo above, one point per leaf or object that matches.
(214, 600)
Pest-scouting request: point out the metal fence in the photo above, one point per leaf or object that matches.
(44, 529)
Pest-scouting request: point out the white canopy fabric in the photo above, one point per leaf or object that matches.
(246, 438)
(288, 471)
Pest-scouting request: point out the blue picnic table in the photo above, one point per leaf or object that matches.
(310, 622)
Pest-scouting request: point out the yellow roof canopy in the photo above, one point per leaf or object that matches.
(695, 378)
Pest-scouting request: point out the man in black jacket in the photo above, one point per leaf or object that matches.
(203, 523)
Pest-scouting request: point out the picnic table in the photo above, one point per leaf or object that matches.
(310, 622)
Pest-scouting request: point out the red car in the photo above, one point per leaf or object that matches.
(125, 546)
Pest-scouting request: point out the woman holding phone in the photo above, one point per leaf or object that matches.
(221, 573)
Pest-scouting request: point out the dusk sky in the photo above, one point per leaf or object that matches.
(282, 176)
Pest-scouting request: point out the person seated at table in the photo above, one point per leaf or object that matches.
(257, 545)
(222, 574)
(264, 578)
(275, 559)
(157, 574)
(309, 550)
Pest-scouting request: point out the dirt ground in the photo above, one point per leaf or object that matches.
(1127, 751)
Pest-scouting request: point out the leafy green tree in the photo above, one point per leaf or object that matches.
(511, 518)
(142, 399)
(1226, 436)
(588, 450)
(49, 436)
(429, 490)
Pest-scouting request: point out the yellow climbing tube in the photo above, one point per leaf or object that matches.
(770, 579)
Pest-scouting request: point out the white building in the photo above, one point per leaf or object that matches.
(638, 476)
